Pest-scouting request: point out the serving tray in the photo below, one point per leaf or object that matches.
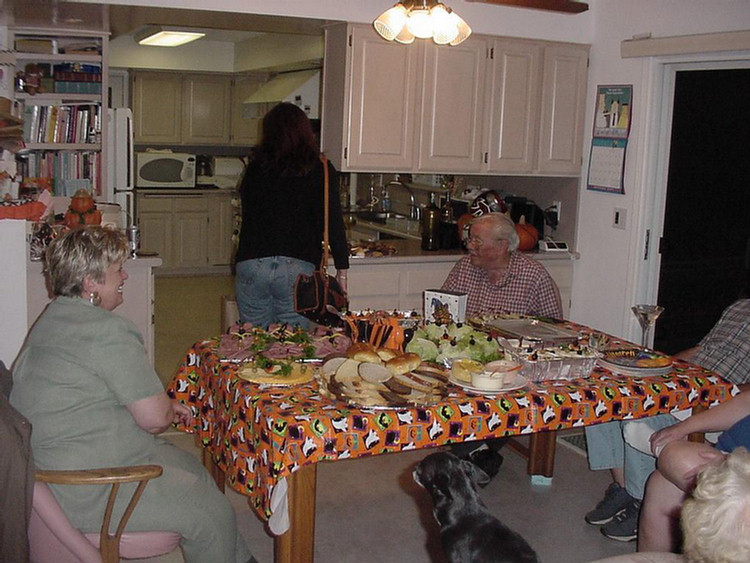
(531, 331)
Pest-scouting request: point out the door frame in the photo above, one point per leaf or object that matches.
(653, 166)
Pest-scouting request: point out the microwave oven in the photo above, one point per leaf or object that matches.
(164, 170)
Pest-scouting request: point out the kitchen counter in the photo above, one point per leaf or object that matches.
(407, 250)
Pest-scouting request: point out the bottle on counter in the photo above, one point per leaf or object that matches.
(449, 235)
(431, 225)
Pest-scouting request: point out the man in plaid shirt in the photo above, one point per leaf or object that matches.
(499, 279)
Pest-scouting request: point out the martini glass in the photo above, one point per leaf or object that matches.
(647, 315)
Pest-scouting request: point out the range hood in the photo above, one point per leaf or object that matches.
(282, 87)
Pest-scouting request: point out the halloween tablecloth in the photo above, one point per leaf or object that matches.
(258, 434)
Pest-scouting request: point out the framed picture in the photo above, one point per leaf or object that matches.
(614, 105)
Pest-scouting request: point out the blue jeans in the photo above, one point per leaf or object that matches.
(264, 288)
(607, 449)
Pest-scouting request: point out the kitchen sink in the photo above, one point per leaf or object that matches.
(378, 216)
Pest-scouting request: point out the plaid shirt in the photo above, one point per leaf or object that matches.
(726, 348)
(526, 288)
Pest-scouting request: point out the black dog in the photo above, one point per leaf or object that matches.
(469, 533)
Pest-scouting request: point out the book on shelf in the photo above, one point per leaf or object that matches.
(36, 45)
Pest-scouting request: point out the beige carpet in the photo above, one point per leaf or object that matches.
(186, 309)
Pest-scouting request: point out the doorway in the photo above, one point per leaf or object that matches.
(706, 233)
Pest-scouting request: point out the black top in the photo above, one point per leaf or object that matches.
(283, 216)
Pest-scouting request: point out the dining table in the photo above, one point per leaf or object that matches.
(265, 441)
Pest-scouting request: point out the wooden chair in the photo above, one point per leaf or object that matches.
(52, 539)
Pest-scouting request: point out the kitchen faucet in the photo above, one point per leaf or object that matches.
(414, 210)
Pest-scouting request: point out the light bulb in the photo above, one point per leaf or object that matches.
(444, 29)
(463, 28)
(406, 37)
(391, 22)
(419, 22)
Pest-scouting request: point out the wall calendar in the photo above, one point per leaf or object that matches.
(610, 138)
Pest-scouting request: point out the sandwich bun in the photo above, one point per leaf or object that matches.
(404, 363)
(363, 352)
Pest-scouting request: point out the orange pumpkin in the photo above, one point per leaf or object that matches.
(528, 236)
(72, 219)
(93, 217)
(82, 201)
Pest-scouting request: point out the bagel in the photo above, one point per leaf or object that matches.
(404, 363)
(387, 354)
(363, 352)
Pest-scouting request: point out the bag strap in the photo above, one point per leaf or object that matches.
(324, 259)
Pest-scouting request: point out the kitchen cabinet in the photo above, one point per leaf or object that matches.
(563, 105)
(157, 107)
(206, 109)
(246, 118)
(191, 229)
(517, 111)
(220, 225)
(452, 107)
(370, 88)
(513, 105)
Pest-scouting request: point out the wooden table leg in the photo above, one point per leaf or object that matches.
(699, 437)
(297, 545)
(542, 453)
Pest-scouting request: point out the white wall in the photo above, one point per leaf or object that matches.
(603, 285)
(13, 295)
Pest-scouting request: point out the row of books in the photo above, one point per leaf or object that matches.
(74, 123)
(67, 169)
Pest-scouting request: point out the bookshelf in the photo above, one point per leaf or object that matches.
(63, 89)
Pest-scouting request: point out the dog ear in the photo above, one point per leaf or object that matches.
(476, 474)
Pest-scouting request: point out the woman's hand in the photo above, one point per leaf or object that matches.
(182, 414)
(341, 276)
(662, 437)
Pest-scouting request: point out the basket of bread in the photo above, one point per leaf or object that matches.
(382, 378)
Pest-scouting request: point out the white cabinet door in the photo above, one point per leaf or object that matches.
(563, 105)
(207, 100)
(246, 119)
(157, 107)
(190, 230)
(156, 234)
(513, 106)
(220, 218)
(452, 107)
(383, 79)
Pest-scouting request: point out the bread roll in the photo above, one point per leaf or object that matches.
(363, 352)
(404, 363)
(387, 354)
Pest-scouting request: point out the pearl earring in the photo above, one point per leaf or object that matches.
(95, 299)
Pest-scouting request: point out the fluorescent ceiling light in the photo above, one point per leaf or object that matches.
(158, 36)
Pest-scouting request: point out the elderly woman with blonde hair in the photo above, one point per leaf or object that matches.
(85, 383)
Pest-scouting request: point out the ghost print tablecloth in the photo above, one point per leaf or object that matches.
(258, 435)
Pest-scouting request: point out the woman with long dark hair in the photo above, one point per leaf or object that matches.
(282, 219)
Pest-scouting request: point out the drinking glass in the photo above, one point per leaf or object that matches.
(647, 315)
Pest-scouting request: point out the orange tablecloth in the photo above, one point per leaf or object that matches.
(258, 434)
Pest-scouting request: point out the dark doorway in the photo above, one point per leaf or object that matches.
(704, 248)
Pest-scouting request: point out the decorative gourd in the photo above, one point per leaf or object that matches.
(82, 210)
(82, 201)
(528, 236)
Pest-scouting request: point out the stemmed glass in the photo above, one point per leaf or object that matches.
(647, 315)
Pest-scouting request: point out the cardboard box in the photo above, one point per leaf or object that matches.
(450, 306)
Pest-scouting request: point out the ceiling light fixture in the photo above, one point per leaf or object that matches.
(159, 36)
(424, 19)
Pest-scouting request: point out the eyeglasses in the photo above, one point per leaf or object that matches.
(477, 242)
